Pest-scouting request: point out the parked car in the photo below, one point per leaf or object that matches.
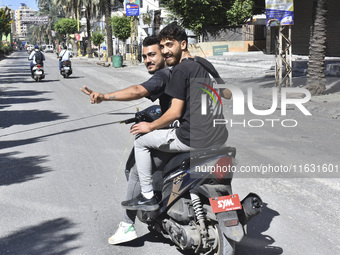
(49, 48)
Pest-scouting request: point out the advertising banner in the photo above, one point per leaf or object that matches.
(279, 12)
(132, 7)
(37, 20)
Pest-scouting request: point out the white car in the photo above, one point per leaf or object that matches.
(49, 48)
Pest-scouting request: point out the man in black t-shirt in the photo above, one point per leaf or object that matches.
(189, 84)
(152, 89)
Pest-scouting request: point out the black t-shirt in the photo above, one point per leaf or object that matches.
(191, 83)
(156, 86)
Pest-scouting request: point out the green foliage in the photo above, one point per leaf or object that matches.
(97, 38)
(196, 14)
(5, 21)
(240, 12)
(66, 26)
(147, 18)
(5, 49)
(121, 27)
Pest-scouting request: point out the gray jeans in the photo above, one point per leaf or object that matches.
(159, 160)
(162, 139)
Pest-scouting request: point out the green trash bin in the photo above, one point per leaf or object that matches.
(117, 60)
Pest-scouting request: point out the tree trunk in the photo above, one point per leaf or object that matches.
(88, 27)
(316, 81)
(108, 29)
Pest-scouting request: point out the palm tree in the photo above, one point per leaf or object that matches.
(54, 12)
(105, 6)
(91, 10)
(71, 7)
(316, 81)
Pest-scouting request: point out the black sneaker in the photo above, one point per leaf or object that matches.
(141, 203)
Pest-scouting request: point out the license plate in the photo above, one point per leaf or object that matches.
(225, 203)
(38, 72)
(66, 68)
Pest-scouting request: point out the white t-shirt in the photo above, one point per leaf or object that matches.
(65, 54)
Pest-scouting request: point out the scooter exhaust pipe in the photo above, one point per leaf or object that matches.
(251, 206)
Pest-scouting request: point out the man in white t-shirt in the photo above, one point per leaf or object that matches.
(64, 55)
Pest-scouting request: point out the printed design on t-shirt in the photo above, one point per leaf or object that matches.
(213, 103)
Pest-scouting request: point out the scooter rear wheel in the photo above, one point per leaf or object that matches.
(225, 245)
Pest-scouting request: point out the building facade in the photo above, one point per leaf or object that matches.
(22, 29)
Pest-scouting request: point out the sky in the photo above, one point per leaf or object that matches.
(15, 4)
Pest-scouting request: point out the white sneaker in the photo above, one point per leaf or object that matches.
(124, 233)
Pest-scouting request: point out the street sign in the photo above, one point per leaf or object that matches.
(132, 7)
(279, 12)
(218, 50)
(78, 37)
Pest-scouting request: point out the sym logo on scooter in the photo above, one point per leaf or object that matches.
(211, 102)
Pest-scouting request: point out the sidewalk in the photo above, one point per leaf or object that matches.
(97, 61)
(258, 59)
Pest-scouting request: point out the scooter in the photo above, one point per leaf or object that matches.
(198, 210)
(66, 69)
(38, 72)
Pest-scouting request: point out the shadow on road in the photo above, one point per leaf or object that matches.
(26, 117)
(334, 88)
(72, 77)
(17, 170)
(256, 243)
(50, 237)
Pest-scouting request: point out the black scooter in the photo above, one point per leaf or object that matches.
(66, 69)
(38, 72)
(197, 208)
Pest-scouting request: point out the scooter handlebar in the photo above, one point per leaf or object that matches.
(128, 121)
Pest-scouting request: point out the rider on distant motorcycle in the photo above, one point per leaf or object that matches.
(64, 55)
(36, 57)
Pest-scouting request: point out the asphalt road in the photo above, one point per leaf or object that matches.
(61, 180)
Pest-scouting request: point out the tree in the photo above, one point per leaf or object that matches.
(316, 81)
(196, 14)
(121, 28)
(5, 21)
(240, 12)
(108, 27)
(98, 39)
(54, 13)
(5, 28)
(91, 10)
(66, 26)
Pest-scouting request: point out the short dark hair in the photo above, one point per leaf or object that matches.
(150, 40)
(173, 32)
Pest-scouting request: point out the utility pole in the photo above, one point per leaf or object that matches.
(280, 14)
(132, 10)
(79, 53)
(283, 55)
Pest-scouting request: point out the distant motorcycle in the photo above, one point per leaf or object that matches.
(66, 69)
(38, 72)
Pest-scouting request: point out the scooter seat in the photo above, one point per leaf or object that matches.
(183, 160)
